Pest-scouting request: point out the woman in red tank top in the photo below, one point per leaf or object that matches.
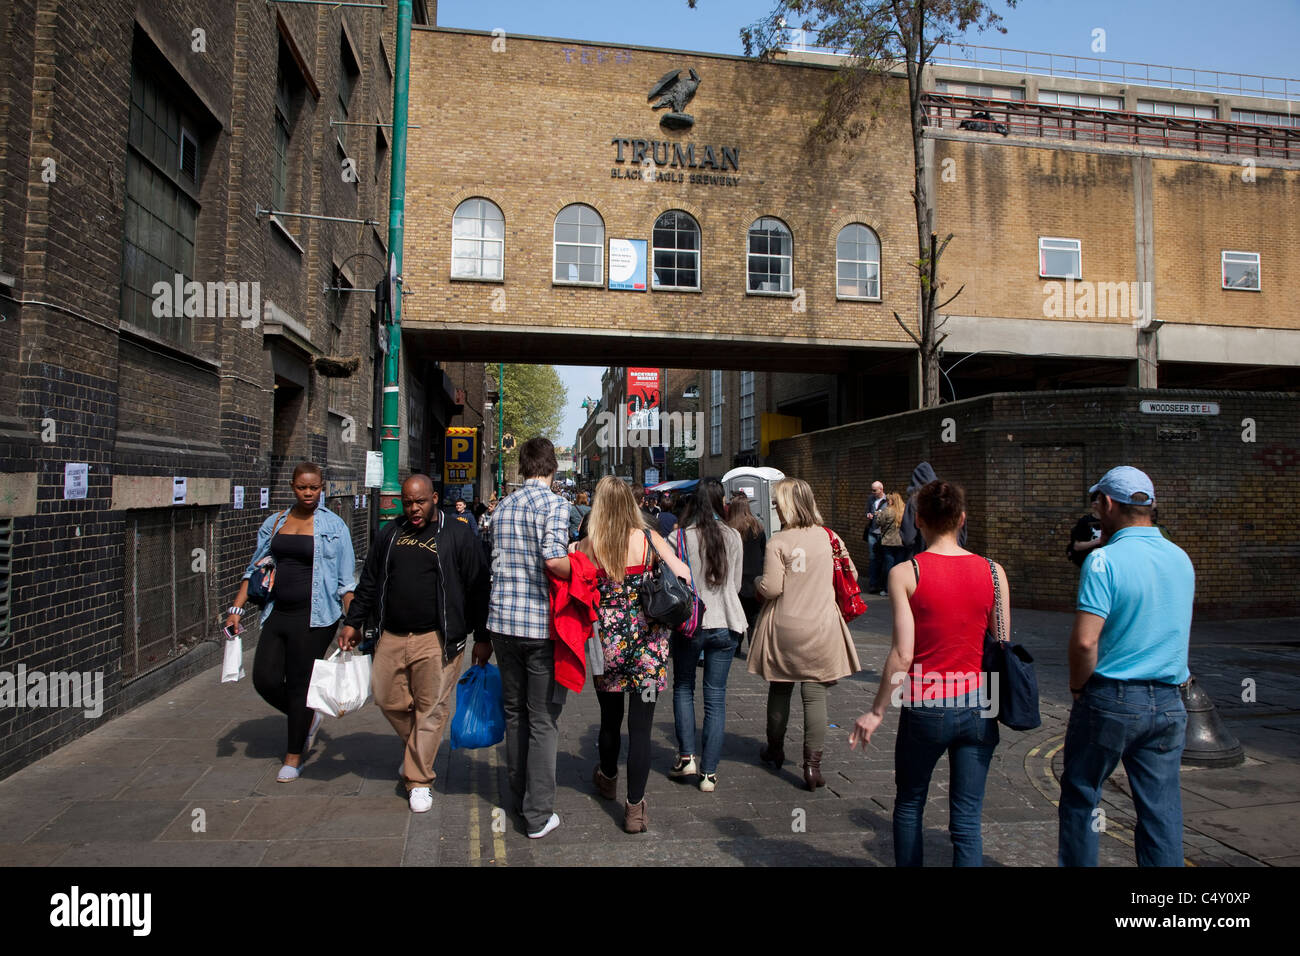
(943, 604)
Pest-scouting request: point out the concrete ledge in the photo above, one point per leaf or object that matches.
(155, 491)
(17, 494)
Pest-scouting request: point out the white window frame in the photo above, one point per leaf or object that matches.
(480, 238)
(789, 260)
(746, 411)
(676, 252)
(715, 412)
(1243, 257)
(876, 262)
(598, 246)
(1104, 101)
(1178, 110)
(1042, 263)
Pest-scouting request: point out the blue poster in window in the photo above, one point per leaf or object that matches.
(627, 268)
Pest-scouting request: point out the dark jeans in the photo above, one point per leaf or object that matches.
(1142, 723)
(894, 554)
(533, 701)
(719, 646)
(924, 734)
(640, 719)
(282, 665)
(877, 573)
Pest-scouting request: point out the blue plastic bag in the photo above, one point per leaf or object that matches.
(480, 719)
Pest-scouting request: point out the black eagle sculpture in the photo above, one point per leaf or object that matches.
(674, 92)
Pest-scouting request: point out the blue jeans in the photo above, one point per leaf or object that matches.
(719, 645)
(875, 563)
(1142, 723)
(924, 733)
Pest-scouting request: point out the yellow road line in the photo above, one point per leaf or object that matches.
(473, 831)
(498, 836)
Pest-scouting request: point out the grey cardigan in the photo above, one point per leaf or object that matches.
(722, 607)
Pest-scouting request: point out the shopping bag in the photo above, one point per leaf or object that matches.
(339, 684)
(232, 664)
(480, 719)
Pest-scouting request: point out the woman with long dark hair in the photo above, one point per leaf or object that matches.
(943, 601)
(314, 578)
(620, 543)
(715, 555)
(753, 540)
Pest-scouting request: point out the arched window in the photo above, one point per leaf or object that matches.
(478, 241)
(579, 246)
(771, 249)
(857, 263)
(676, 251)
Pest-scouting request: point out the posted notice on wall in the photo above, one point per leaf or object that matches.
(374, 469)
(239, 496)
(266, 497)
(1179, 408)
(76, 479)
(627, 264)
(178, 491)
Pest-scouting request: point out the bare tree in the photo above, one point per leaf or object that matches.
(878, 36)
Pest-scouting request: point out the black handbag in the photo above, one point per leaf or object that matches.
(665, 598)
(1014, 667)
(262, 581)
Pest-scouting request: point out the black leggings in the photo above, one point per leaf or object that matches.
(640, 717)
(282, 667)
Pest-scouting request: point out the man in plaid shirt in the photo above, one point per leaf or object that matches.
(530, 534)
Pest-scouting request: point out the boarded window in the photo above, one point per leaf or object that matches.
(169, 561)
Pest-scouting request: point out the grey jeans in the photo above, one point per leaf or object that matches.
(533, 701)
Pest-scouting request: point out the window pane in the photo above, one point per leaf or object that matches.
(565, 232)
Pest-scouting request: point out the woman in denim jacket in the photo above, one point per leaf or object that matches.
(314, 579)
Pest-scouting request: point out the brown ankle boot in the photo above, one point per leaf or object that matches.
(812, 769)
(635, 819)
(607, 787)
(773, 753)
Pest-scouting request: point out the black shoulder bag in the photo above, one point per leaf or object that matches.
(665, 597)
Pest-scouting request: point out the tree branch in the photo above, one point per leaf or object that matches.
(910, 333)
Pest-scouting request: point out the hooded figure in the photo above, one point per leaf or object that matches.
(922, 475)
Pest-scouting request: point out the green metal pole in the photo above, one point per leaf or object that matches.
(390, 504)
(501, 417)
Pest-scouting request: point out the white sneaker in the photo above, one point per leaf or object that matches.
(287, 774)
(684, 767)
(421, 799)
(551, 824)
(311, 734)
(708, 782)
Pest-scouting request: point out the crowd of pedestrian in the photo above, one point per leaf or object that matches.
(433, 578)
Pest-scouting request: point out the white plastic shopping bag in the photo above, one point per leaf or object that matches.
(232, 665)
(340, 684)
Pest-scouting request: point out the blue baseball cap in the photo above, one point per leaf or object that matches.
(1127, 485)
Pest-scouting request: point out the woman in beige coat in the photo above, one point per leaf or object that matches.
(800, 637)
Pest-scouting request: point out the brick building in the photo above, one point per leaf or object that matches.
(138, 427)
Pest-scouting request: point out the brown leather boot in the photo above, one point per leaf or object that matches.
(635, 819)
(607, 787)
(773, 753)
(812, 769)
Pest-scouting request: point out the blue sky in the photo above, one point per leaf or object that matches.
(1248, 36)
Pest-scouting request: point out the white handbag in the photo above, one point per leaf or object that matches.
(339, 684)
(232, 663)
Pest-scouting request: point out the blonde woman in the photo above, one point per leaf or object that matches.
(891, 538)
(621, 545)
(800, 638)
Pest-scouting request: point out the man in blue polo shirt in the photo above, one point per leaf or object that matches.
(1128, 655)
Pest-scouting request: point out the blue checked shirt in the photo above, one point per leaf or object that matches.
(529, 527)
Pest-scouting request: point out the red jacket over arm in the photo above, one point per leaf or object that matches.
(573, 608)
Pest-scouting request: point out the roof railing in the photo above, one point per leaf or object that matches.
(1068, 66)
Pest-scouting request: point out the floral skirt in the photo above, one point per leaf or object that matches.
(636, 648)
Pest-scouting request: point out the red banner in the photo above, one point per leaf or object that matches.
(643, 396)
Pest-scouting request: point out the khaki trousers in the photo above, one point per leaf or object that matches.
(412, 686)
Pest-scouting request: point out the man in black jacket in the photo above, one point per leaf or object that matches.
(426, 583)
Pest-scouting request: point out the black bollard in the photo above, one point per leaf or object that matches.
(1209, 742)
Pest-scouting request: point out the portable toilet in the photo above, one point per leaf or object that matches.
(757, 484)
